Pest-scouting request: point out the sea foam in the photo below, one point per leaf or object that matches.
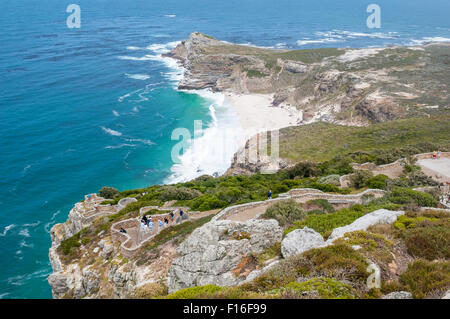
(110, 131)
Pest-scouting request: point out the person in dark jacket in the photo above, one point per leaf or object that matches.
(269, 195)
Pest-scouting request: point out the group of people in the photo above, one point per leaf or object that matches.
(436, 154)
(147, 222)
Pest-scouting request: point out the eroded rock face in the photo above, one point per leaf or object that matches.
(211, 252)
(381, 216)
(300, 240)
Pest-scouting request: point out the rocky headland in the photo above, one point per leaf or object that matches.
(373, 236)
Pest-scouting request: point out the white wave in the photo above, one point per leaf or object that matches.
(176, 70)
(137, 76)
(24, 244)
(120, 146)
(429, 40)
(326, 40)
(342, 36)
(143, 141)
(249, 44)
(134, 58)
(170, 15)
(52, 220)
(115, 113)
(281, 45)
(3, 295)
(161, 35)
(110, 131)
(210, 152)
(376, 35)
(161, 48)
(24, 232)
(6, 229)
(19, 280)
(132, 48)
(135, 109)
(32, 224)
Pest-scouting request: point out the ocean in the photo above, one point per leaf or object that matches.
(94, 106)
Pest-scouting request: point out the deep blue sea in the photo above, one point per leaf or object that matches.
(82, 108)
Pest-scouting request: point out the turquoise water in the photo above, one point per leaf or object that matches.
(83, 108)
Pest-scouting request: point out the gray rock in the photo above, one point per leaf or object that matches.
(300, 240)
(381, 216)
(107, 247)
(447, 295)
(398, 295)
(211, 252)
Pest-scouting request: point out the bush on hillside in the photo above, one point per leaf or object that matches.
(360, 178)
(108, 192)
(304, 169)
(412, 198)
(378, 181)
(177, 193)
(286, 212)
(424, 278)
(333, 179)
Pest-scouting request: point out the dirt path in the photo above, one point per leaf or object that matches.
(438, 169)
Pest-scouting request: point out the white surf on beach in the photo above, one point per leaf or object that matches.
(235, 118)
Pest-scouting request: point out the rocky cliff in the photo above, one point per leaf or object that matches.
(347, 86)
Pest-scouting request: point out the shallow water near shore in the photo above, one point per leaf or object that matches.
(83, 108)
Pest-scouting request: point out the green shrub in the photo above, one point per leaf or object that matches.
(360, 178)
(199, 292)
(108, 192)
(70, 244)
(338, 261)
(333, 179)
(399, 195)
(207, 202)
(428, 242)
(327, 222)
(304, 169)
(378, 181)
(323, 203)
(426, 278)
(151, 290)
(326, 288)
(285, 212)
(177, 193)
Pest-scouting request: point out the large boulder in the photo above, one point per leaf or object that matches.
(381, 216)
(300, 240)
(211, 253)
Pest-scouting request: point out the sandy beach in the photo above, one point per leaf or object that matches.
(256, 114)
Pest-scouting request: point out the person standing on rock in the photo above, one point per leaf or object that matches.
(160, 223)
(269, 195)
(166, 222)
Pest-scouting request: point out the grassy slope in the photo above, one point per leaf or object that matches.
(323, 141)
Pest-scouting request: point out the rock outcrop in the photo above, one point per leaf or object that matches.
(212, 253)
(381, 216)
(301, 240)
